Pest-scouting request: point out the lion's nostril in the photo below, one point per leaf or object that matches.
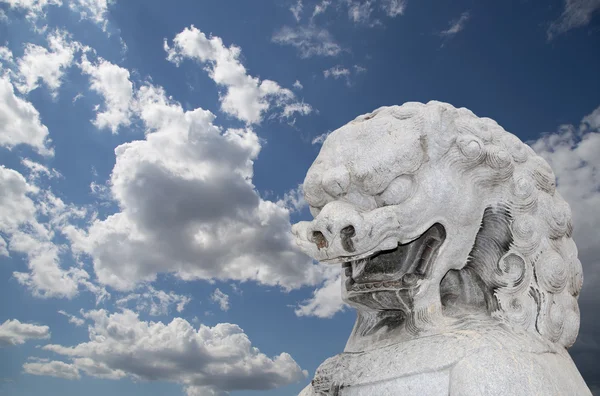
(319, 239)
(347, 233)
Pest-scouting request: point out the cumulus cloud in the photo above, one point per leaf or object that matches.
(26, 235)
(457, 25)
(208, 359)
(308, 40)
(46, 64)
(246, 98)
(94, 10)
(155, 302)
(13, 332)
(53, 369)
(113, 83)
(34, 9)
(326, 301)
(577, 13)
(188, 207)
(20, 122)
(220, 298)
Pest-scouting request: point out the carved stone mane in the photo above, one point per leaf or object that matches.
(445, 225)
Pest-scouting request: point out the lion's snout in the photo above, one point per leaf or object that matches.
(335, 232)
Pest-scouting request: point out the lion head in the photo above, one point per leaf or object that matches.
(432, 210)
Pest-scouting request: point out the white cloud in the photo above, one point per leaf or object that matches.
(3, 247)
(18, 222)
(296, 10)
(321, 8)
(34, 9)
(320, 138)
(209, 359)
(359, 69)
(94, 10)
(48, 65)
(188, 207)
(220, 298)
(53, 369)
(577, 13)
(113, 83)
(308, 40)
(20, 121)
(155, 302)
(77, 321)
(298, 85)
(393, 8)
(37, 170)
(13, 332)
(294, 199)
(326, 301)
(246, 98)
(457, 25)
(336, 72)
(340, 72)
(359, 12)
(299, 107)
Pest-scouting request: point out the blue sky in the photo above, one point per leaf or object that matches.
(151, 160)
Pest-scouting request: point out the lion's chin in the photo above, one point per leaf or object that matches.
(397, 269)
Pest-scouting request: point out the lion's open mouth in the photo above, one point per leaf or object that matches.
(398, 268)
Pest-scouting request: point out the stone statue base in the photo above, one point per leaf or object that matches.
(487, 359)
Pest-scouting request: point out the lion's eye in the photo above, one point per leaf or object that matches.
(398, 191)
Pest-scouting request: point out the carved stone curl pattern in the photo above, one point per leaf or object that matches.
(443, 223)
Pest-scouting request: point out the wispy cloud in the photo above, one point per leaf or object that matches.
(457, 25)
(341, 72)
(577, 13)
(296, 10)
(308, 40)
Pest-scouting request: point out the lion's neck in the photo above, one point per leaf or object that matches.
(377, 329)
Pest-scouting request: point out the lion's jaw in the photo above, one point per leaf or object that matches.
(387, 279)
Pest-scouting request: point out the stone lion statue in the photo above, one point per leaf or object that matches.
(455, 249)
